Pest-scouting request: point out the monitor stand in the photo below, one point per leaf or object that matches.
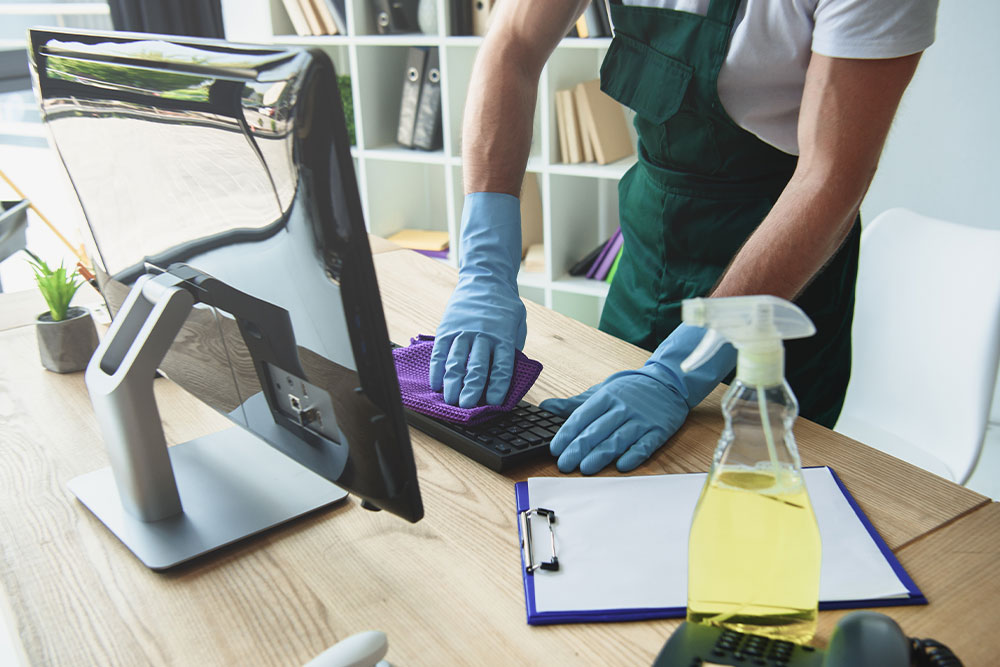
(169, 505)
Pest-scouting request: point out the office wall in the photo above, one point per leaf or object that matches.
(941, 158)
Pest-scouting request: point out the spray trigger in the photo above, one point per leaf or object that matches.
(710, 343)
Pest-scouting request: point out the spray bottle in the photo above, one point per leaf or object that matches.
(754, 550)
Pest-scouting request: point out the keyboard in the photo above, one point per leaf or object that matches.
(505, 441)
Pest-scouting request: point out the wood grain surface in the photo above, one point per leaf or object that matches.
(446, 590)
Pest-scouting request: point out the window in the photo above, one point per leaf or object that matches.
(16, 106)
(24, 154)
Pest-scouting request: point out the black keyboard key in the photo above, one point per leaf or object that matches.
(518, 443)
(543, 433)
(531, 438)
(506, 437)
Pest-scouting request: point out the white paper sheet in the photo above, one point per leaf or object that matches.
(622, 542)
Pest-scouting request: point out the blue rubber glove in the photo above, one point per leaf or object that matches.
(484, 321)
(632, 413)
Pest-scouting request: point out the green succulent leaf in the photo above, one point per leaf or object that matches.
(57, 286)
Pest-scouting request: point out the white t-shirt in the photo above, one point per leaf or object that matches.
(762, 78)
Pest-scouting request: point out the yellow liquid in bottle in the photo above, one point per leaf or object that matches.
(754, 555)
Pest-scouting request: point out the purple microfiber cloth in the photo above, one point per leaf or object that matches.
(413, 365)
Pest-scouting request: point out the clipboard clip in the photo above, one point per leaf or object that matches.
(526, 551)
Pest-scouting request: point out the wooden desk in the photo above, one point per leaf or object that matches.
(446, 590)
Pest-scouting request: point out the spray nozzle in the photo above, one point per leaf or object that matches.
(755, 325)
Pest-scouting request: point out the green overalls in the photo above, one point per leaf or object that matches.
(700, 187)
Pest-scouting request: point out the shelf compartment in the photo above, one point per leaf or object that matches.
(417, 199)
(536, 294)
(582, 286)
(582, 213)
(584, 308)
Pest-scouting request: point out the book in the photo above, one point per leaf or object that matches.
(561, 126)
(309, 11)
(614, 266)
(583, 116)
(421, 239)
(325, 16)
(573, 143)
(584, 264)
(602, 268)
(531, 212)
(338, 11)
(297, 17)
(604, 251)
(606, 124)
(592, 21)
(534, 259)
(604, 16)
(622, 545)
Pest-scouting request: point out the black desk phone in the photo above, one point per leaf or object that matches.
(861, 639)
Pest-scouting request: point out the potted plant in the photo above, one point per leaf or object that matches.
(67, 336)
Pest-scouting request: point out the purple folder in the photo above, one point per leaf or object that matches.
(609, 258)
(592, 271)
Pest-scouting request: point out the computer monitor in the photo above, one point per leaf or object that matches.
(219, 191)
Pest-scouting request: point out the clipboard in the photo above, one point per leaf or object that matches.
(560, 522)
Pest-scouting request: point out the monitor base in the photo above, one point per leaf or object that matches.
(231, 485)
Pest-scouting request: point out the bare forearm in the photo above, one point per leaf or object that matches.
(801, 233)
(500, 107)
(847, 109)
(496, 128)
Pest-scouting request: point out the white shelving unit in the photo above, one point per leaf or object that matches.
(403, 188)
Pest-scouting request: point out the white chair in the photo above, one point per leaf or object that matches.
(926, 339)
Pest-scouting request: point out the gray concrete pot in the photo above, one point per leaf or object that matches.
(67, 345)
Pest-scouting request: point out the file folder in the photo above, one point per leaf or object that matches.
(481, 11)
(619, 545)
(413, 76)
(395, 16)
(427, 126)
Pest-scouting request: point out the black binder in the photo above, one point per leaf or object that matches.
(461, 17)
(427, 129)
(395, 16)
(413, 77)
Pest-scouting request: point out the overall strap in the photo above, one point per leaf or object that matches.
(723, 11)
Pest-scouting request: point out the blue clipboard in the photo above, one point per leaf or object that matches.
(534, 617)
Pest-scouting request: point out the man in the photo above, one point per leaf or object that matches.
(760, 124)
